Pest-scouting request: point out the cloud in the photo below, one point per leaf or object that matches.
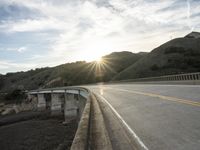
(7, 65)
(30, 25)
(73, 29)
(19, 50)
(188, 14)
(13, 11)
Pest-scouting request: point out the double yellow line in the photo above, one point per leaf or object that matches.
(169, 98)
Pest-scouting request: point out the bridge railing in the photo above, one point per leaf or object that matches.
(71, 100)
(73, 90)
(178, 77)
(91, 132)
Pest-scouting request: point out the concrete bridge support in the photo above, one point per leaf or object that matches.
(70, 108)
(70, 103)
(33, 100)
(30, 96)
(55, 103)
(41, 101)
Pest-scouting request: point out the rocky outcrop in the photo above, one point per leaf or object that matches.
(27, 105)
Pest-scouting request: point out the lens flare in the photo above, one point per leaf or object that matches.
(99, 60)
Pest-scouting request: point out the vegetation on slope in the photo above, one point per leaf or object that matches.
(76, 73)
(181, 55)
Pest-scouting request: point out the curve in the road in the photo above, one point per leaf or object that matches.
(169, 98)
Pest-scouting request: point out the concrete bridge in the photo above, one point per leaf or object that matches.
(69, 101)
(163, 114)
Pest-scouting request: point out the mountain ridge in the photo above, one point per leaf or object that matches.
(74, 73)
(193, 35)
(180, 55)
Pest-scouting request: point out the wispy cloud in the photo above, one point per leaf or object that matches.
(20, 49)
(5, 65)
(63, 31)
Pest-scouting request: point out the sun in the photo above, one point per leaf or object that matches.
(99, 60)
(94, 49)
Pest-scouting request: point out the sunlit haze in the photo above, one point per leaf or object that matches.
(99, 60)
(41, 33)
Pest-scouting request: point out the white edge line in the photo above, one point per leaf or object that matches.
(126, 125)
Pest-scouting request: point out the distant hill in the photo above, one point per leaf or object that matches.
(193, 35)
(70, 73)
(118, 61)
(179, 55)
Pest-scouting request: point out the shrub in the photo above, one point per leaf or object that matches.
(15, 96)
(154, 67)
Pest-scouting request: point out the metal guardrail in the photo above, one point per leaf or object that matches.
(177, 77)
(74, 90)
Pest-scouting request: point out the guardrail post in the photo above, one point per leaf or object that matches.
(194, 76)
(191, 78)
(198, 76)
(187, 77)
(178, 77)
(181, 77)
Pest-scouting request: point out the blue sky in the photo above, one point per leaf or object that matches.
(40, 33)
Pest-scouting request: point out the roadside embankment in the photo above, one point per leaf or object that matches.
(36, 131)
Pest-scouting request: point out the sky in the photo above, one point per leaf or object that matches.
(41, 33)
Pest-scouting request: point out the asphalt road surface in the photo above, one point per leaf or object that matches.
(165, 117)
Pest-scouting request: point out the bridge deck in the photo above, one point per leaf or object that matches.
(163, 116)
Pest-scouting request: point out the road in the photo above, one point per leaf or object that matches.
(165, 117)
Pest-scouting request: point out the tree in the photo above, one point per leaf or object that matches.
(15, 96)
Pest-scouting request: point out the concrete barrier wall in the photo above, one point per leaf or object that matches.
(188, 78)
(91, 133)
(81, 141)
(99, 138)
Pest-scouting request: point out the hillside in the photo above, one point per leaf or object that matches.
(179, 55)
(70, 73)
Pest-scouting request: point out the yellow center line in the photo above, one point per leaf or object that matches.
(169, 98)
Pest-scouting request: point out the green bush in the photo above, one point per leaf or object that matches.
(154, 67)
(15, 96)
